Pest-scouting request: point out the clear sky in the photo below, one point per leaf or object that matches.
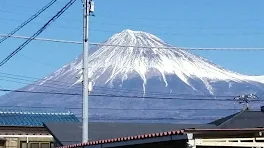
(183, 23)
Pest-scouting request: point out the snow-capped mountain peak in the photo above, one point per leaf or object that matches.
(126, 62)
(109, 64)
(133, 71)
(135, 38)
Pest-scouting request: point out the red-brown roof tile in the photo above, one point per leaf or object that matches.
(137, 137)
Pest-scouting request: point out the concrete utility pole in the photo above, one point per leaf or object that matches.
(245, 99)
(88, 8)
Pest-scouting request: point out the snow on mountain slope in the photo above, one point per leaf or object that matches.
(119, 70)
(256, 78)
(128, 62)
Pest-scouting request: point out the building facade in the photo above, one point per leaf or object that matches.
(26, 130)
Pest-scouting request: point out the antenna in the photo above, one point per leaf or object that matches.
(245, 99)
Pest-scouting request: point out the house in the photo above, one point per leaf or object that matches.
(25, 129)
(126, 135)
(109, 130)
(243, 129)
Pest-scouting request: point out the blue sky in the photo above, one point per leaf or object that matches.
(183, 23)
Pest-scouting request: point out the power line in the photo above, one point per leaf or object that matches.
(116, 45)
(29, 20)
(126, 109)
(192, 34)
(158, 98)
(171, 19)
(124, 96)
(67, 84)
(13, 101)
(38, 32)
(36, 60)
(34, 79)
(128, 25)
(176, 19)
(40, 92)
(43, 39)
(58, 26)
(123, 91)
(26, 14)
(22, 6)
(116, 90)
(154, 119)
(30, 84)
(150, 95)
(183, 48)
(159, 33)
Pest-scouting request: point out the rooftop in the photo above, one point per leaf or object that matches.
(34, 119)
(243, 119)
(110, 130)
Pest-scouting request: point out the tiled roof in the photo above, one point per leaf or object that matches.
(129, 138)
(33, 119)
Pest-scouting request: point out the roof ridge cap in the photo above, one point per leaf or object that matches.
(35, 113)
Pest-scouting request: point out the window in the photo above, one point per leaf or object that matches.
(23, 145)
(34, 145)
(51, 145)
(44, 145)
(2, 142)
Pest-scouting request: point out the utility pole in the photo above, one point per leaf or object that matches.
(88, 8)
(245, 99)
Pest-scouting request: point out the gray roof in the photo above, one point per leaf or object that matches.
(70, 133)
(243, 119)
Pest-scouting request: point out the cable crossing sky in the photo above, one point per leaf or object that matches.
(29, 20)
(116, 45)
(37, 33)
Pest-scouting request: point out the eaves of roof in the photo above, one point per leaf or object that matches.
(129, 138)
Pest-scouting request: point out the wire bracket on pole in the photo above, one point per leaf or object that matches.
(245, 99)
(91, 8)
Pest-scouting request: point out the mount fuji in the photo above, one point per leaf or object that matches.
(135, 69)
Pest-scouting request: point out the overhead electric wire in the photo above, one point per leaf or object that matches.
(64, 85)
(41, 92)
(12, 100)
(26, 14)
(36, 85)
(126, 109)
(36, 60)
(116, 45)
(35, 79)
(125, 96)
(151, 18)
(127, 25)
(28, 20)
(190, 34)
(38, 32)
(44, 39)
(153, 95)
(154, 119)
(183, 48)
(123, 91)
(58, 26)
